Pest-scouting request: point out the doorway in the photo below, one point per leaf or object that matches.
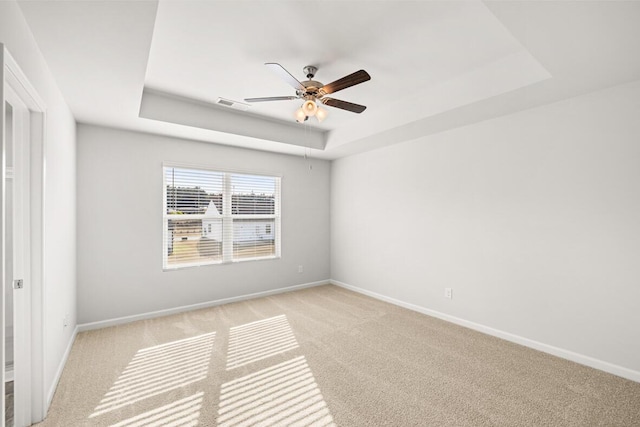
(21, 245)
(16, 260)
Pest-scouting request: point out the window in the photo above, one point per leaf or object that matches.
(212, 217)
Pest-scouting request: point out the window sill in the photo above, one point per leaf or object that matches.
(236, 261)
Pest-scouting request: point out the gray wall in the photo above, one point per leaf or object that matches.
(120, 225)
(533, 219)
(60, 191)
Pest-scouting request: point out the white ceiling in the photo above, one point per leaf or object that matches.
(159, 66)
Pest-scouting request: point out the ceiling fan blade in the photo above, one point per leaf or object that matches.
(285, 75)
(354, 108)
(271, 98)
(353, 79)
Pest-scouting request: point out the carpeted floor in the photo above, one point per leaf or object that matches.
(8, 404)
(325, 356)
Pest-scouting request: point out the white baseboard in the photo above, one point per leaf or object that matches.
(169, 311)
(620, 371)
(63, 362)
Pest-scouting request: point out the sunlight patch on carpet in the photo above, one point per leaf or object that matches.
(184, 412)
(259, 340)
(283, 394)
(158, 369)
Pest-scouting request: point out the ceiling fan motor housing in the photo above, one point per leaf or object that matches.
(311, 87)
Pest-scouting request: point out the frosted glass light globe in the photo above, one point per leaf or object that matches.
(310, 107)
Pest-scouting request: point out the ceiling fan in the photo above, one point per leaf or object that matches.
(313, 91)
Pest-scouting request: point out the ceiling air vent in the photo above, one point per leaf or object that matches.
(233, 104)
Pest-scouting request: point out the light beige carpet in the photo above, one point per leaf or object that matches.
(8, 404)
(325, 356)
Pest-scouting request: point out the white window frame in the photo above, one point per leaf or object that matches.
(227, 217)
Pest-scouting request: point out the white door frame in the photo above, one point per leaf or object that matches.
(17, 208)
(16, 213)
(13, 76)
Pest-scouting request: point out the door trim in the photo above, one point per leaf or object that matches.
(17, 80)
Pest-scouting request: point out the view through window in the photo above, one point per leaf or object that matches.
(213, 217)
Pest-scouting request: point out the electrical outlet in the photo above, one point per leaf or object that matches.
(300, 269)
(448, 293)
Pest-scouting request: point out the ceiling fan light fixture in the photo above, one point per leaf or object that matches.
(300, 115)
(310, 107)
(321, 114)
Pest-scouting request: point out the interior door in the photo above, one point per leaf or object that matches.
(25, 156)
(16, 238)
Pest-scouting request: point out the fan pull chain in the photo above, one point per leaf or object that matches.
(307, 158)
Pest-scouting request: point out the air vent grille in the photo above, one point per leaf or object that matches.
(233, 104)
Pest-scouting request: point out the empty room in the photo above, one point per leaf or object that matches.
(320, 213)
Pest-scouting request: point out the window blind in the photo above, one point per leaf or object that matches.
(212, 217)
